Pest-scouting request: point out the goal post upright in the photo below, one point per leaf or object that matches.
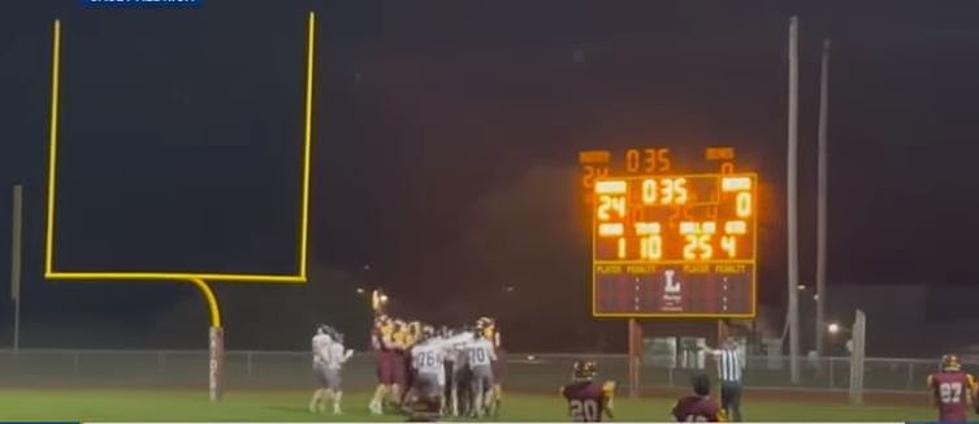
(215, 337)
(198, 279)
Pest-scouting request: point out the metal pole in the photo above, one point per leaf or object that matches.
(910, 384)
(822, 180)
(15, 259)
(793, 218)
(857, 357)
(831, 377)
(248, 363)
(216, 363)
(635, 339)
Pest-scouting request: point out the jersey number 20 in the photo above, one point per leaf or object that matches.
(584, 410)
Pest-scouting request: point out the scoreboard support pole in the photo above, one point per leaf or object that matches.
(721, 332)
(635, 357)
(215, 375)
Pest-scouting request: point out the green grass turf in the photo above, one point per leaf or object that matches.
(173, 405)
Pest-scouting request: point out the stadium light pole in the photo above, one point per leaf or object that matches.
(822, 181)
(792, 198)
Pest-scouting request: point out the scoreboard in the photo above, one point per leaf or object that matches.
(670, 244)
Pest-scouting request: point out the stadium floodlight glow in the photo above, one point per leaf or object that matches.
(378, 301)
(834, 328)
(300, 276)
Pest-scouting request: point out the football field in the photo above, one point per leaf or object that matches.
(290, 405)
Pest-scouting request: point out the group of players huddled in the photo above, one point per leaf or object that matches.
(422, 371)
(428, 372)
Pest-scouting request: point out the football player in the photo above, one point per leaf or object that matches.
(413, 336)
(698, 407)
(328, 358)
(425, 399)
(319, 348)
(499, 372)
(398, 346)
(481, 354)
(381, 340)
(460, 375)
(588, 400)
(951, 390)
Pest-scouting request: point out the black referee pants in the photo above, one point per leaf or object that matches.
(731, 399)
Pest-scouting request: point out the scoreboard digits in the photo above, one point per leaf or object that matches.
(672, 245)
(641, 218)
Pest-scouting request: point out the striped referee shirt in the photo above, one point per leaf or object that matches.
(729, 366)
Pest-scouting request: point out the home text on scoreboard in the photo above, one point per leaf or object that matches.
(673, 245)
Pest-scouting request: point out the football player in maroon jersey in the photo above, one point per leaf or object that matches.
(951, 390)
(698, 407)
(587, 399)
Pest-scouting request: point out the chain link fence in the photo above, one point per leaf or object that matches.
(524, 372)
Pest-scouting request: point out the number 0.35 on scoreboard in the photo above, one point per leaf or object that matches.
(675, 246)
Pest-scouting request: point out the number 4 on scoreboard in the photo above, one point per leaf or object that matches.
(730, 245)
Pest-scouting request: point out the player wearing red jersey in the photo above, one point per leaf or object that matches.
(499, 370)
(398, 344)
(952, 390)
(381, 340)
(698, 407)
(587, 399)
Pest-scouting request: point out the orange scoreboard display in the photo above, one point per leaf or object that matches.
(673, 245)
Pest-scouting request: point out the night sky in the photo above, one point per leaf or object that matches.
(446, 140)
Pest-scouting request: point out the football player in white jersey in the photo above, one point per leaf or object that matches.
(456, 347)
(329, 356)
(428, 363)
(481, 353)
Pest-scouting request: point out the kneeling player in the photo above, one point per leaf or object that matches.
(588, 400)
(951, 390)
(698, 407)
(425, 399)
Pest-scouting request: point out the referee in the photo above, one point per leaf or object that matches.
(729, 371)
